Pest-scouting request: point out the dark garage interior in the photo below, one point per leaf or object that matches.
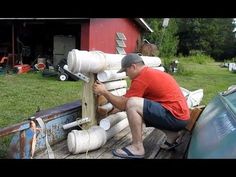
(29, 40)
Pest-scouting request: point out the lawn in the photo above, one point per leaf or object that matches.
(23, 94)
(210, 77)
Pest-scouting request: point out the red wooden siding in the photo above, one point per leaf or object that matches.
(100, 34)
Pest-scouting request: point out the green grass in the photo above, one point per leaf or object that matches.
(208, 76)
(22, 94)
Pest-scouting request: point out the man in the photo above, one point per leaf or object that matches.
(154, 98)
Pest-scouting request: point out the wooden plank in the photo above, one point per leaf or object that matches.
(125, 141)
(89, 103)
(60, 151)
(152, 143)
(152, 138)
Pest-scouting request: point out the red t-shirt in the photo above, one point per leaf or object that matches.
(160, 87)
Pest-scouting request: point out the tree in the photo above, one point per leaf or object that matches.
(212, 36)
(165, 38)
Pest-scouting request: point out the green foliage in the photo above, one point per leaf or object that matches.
(214, 36)
(164, 38)
(199, 57)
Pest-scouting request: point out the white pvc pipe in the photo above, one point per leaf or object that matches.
(107, 106)
(119, 92)
(108, 75)
(161, 68)
(79, 141)
(76, 123)
(111, 120)
(115, 84)
(104, 109)
(101, 100)
(117, 128)
(97, 61)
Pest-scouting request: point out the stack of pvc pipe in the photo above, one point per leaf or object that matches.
(116, 87)
(106, 67)
(118, 92)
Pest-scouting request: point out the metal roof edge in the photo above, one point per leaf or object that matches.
(143, 24)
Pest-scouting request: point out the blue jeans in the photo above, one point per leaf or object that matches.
(155, 115)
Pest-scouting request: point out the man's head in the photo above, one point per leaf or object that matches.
(128, 60)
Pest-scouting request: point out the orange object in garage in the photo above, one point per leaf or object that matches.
(24, 68)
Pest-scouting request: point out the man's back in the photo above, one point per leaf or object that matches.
(160, 87)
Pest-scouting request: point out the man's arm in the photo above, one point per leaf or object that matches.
(117, 101)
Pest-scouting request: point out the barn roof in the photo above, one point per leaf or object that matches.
(139, 21)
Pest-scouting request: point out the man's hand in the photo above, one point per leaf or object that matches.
(99, 88)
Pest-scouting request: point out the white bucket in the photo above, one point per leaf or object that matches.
(232, 66)
(79, 141)
(41, 60)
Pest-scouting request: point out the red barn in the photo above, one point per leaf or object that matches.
(101, 34)
(26, 39)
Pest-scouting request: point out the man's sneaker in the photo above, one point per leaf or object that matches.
(165, 144)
